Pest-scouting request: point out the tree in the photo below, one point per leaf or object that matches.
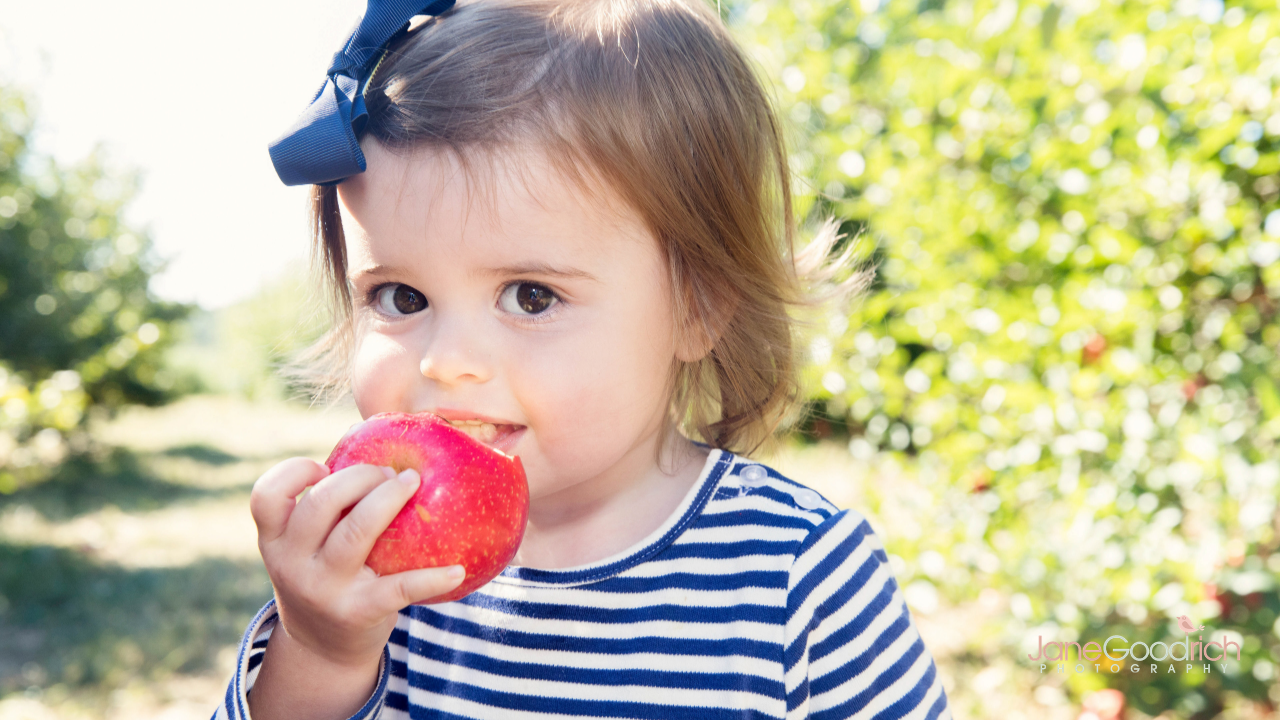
(78, 327)
(1072, 344)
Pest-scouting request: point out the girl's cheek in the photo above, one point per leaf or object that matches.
(555, 383)
(374, 375)
(588, 384)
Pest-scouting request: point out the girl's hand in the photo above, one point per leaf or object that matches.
(330, 602)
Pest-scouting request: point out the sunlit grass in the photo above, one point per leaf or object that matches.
(127, 578)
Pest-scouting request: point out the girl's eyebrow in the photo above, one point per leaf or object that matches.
(538, 268)
(371, 271)
(528, 268)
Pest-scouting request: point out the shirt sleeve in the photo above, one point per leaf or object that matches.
(851, 649)
(253, 646)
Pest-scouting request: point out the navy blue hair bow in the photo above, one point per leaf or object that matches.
(321, 147)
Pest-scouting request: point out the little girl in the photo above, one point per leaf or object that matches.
(565, 226)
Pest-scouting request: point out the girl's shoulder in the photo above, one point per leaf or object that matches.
(753, 499)
(754, 485)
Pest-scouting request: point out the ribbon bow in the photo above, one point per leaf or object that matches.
(321, 147)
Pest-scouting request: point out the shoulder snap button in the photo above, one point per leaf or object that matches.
(808, 499)
(753, 475)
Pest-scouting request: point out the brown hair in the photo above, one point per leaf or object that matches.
(655, 98)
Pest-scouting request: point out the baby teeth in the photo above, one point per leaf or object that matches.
(484, 432)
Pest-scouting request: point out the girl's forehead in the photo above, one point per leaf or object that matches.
(515, 200)
(489, 183)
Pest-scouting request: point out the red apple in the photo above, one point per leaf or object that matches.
(470, 509)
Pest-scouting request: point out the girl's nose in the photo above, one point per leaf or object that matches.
(452, 356)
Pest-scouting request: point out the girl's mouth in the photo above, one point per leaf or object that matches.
(497, 436)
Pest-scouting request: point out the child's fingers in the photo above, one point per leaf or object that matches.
(318, 512)
(394, 592)
(272, 500)
(351, 539)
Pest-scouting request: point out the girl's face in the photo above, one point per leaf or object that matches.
(520, 303)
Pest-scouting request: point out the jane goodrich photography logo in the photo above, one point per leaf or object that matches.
(1116, 654)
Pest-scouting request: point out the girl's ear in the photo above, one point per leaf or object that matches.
(702, 327)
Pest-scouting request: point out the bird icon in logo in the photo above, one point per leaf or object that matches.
(1187, 626)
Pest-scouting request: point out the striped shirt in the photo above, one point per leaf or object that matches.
(757, 598)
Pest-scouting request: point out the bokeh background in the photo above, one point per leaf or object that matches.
(1058, 404)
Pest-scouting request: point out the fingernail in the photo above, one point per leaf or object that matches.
(457, 572)
(408, 477)
(389, 472)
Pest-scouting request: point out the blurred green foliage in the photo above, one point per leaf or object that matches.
(1073, 339)
(78, 328)
(243, 348)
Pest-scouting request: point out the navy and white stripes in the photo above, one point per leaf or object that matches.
(756, 599)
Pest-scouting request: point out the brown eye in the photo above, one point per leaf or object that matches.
(527, 298)
(400, 300)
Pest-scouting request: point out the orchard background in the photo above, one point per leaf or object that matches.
(1058, 404)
